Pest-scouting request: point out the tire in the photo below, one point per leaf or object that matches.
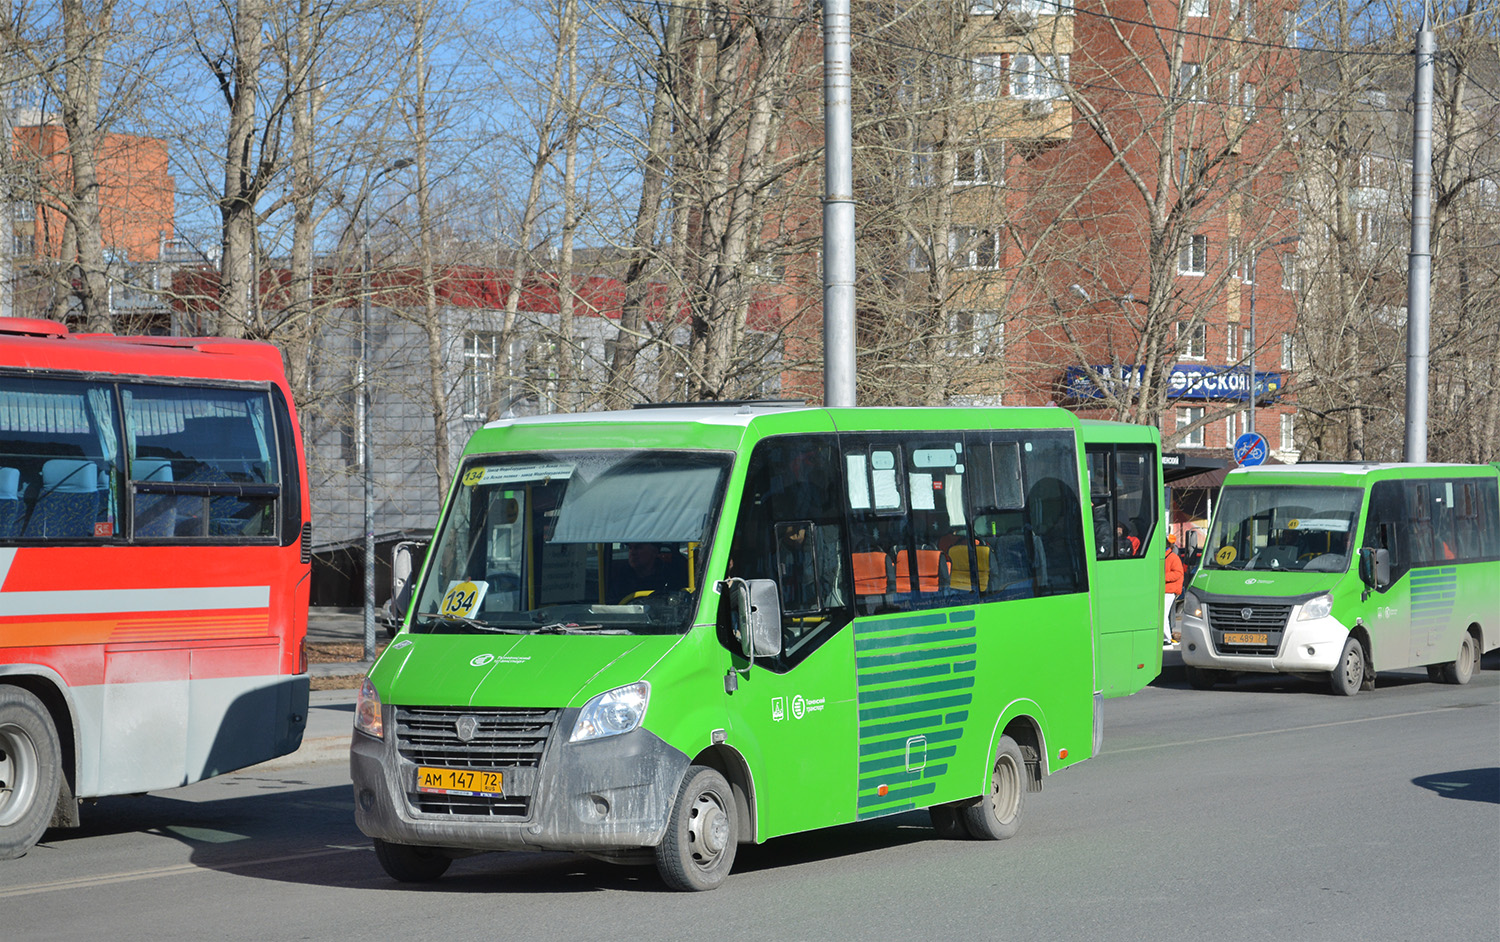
(703, 833)
(1461, 671)
(1202, 678)
(30, 771)
(411, 864)
(1348, 677)
(948, 822)
(1435, 673)
(997, 815)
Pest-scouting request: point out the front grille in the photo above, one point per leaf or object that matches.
(509, 741)
(1250, 617)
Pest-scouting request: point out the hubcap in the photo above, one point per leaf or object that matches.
(708, 829)
(1354, 669)
(1005, 797)
(18, 773)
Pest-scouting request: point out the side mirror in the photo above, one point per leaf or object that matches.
(404, 563)
(1375, 568)
(755, 616)
(1195, 539)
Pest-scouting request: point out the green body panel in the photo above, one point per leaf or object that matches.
(819, 741)
(1420, 618)
(1129, 595)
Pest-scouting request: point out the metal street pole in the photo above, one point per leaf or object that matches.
(1419, 264)
(366, 438)
(838, 207)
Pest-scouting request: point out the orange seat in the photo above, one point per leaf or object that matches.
(870, 577)
(929, 568)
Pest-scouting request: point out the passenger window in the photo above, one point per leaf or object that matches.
(790, 529)
(1122, 495)
(59, 475)
(203, 463)
(1033, 546)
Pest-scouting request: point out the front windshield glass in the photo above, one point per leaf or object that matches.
(588, 542)
(1283, 528)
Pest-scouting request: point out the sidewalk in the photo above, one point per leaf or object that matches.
(340, 626)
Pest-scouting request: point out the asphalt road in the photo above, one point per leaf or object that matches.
(1268, 811)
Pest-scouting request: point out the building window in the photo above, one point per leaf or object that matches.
(1247, 100)
(918, 254)
(1191, 162)
(481, 353)
(1192, 339)
(1192, 258)
(1288, 352)
(1037, 78)
(1188, 88)
(1197, 8)
(1289, 27)
(980, 163)
(921, 164)
(975, 333)
(1289, 110)
(1231, 343)
(972, 247)
(1288, 437)
(1187, 416)
(1244, 11)
(1236, 425)
(1289, 271)
(987, 78)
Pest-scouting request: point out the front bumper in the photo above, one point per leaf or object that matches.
(604, 795)
(1310, 646)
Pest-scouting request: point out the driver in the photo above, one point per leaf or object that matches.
(648, 567)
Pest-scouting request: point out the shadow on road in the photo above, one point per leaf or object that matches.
(1465, 785)
(295, 834)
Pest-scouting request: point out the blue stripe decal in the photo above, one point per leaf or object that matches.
(907, 657)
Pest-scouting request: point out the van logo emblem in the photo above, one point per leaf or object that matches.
(467, 726)
(479, 660)
(1245, 613)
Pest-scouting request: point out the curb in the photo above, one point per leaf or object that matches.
(339, 669)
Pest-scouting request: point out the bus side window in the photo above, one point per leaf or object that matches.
(209, 457)
(790, 529)
(58, 460)
(1122, 494)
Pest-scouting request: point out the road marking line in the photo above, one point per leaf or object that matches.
(1290, 729)
(157, 872)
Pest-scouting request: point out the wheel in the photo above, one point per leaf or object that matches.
(1200, 678)
(948, 822)
(30, 771)
(702, 833)
(411, 864)
(997, 815)
(1462, 670)
(1348, 678)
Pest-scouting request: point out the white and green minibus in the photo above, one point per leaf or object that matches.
(1344, 570)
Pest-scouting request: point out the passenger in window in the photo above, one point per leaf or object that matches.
(648, 567)
(1125, 544)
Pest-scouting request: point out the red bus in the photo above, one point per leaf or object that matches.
(154, 565)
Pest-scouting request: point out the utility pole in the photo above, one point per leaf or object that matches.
(838, 207)
(1419, 264)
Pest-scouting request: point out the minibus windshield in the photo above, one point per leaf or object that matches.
(1283, 528)
(597, 542)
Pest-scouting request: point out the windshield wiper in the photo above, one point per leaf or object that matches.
(564, 628)
(474, 623)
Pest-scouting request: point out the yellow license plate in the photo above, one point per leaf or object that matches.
(1242, 637)
(460, 781)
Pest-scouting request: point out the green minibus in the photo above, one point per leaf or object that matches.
(654, 635)
(1339, 571)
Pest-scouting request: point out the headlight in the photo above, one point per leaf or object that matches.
(367, 711)
(613, 712)
(1316, 608)
(1191, 606)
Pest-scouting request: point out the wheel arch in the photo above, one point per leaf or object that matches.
(1020, 720)
(48, 686)
(727, 761)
